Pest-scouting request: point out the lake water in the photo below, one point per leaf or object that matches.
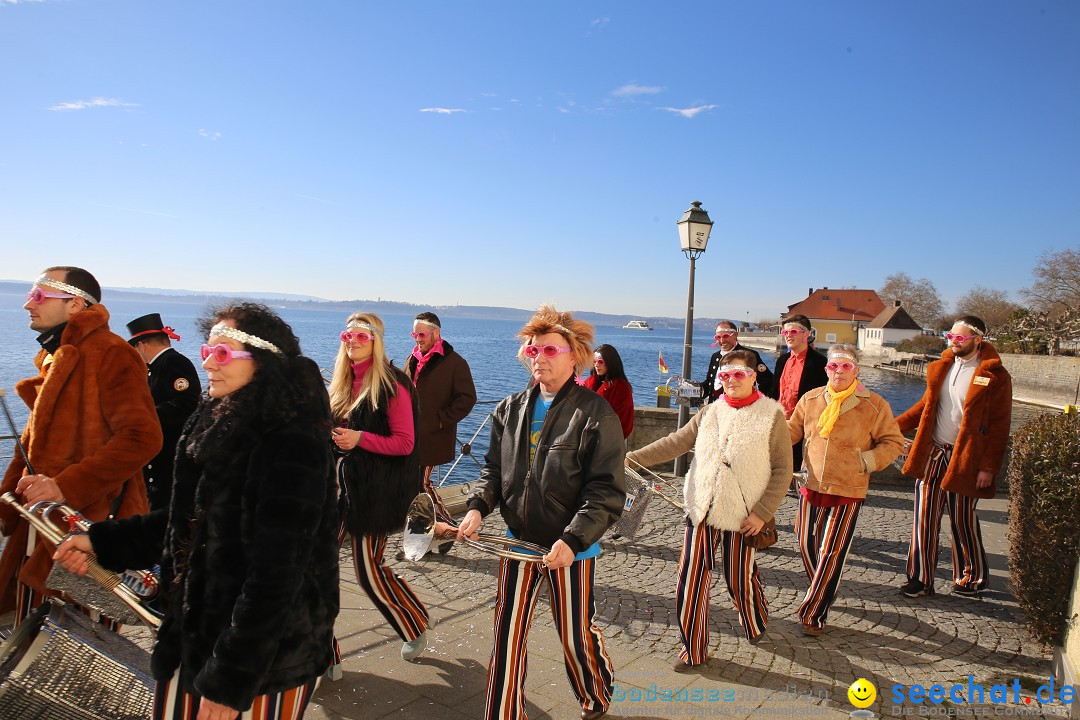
(488, 345)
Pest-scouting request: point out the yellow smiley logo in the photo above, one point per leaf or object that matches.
(862, 693)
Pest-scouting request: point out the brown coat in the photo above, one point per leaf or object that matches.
(984, 429)
(446, 395)
(92, 428)
(865, 438)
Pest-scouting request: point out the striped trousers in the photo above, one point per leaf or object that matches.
(824, 535)
(695, 580)
(391, 595)
(173, 702)
(970, 567)
(588, 666)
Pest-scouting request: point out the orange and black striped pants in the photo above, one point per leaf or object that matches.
(824, 535)
(970, 567)
(588, 666)
(173, 702)
(695, 580)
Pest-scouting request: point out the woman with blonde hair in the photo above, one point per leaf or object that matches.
(378, 469)
(554, 469)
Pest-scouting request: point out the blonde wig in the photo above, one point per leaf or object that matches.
(578, 334)
(378, 384)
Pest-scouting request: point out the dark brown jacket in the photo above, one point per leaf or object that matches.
(984, 429)
(446, 395)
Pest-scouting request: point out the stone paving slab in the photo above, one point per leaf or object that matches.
(873, 632)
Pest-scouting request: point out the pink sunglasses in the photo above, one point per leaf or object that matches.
(550, 351)
(223, 354)
(38, 296)
(361, 337)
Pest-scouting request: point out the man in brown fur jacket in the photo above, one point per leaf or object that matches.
(92, 427)
(963, 428)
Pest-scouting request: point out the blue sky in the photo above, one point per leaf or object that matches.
(513, 153)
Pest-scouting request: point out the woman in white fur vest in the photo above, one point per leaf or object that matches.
(740, 472)
(849, 432)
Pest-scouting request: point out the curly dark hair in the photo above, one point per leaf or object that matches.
(285, 387)
(612, 361)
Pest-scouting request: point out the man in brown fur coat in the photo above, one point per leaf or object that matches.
(963, 428)
(92, 427)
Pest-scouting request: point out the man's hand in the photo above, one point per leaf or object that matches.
(36, 488)
(560, 556)
(984, 478)
(470, 525)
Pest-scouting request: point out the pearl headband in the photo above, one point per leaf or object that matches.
(357, 324)
(841, 353)
(64, 287)
(736, 368)
(242, 337)
(970, 327)
(428, 323)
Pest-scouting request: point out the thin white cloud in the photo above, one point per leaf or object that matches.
(691, 111)
(96, 102)
(442, 111)
(599, 22)
(210, 135)
(633, 90)
(16, 2)
(311, 197)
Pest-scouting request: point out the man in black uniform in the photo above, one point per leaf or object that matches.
(174, 384)
(727, 337)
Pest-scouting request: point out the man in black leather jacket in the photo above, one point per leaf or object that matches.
(555, 469)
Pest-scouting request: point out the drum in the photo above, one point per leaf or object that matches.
(638, 494)
(59, 665)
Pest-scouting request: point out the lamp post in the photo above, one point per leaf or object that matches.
(694, 228)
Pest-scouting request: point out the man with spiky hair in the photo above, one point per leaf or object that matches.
(92, 427)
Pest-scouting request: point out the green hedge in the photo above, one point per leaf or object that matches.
(1044, 521)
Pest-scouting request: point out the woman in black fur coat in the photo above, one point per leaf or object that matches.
(373, 405)
(248, 546)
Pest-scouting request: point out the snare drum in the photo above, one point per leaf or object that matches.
(60, 665)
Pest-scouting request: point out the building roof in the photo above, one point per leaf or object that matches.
(826, 304)
(894, 318)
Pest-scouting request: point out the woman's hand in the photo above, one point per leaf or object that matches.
(560, 556)
(73, 553)
(344, 438)
(470, 525)
(210, 710)
(751, 525)
(444, 530)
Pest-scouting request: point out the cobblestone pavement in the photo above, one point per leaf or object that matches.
(873, 631)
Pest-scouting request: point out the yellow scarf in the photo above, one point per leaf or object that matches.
(832, 411)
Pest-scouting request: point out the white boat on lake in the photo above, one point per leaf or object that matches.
(636, 325)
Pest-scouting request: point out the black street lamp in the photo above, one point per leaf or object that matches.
(694, 228)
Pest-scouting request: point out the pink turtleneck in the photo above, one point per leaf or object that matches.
(399, 412)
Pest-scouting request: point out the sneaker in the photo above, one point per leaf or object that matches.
(446, 547)
(411, 650)
(965, 591)
(756, 639)
(915, 589)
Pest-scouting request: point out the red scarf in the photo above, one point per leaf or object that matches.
(748, 400)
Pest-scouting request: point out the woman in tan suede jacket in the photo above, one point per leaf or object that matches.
(849, 432)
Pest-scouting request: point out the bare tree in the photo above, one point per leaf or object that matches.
(990, 304)
(1057, 282)
(919, 297)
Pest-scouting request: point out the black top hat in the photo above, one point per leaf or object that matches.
(147, 325)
